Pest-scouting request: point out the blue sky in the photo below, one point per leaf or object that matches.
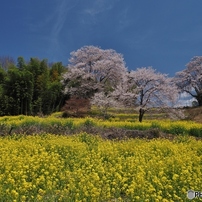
(162, 34)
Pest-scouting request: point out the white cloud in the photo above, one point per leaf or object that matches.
(59, 18)
(49, 25)
(185, 100)
(184, 95)
(98, 6)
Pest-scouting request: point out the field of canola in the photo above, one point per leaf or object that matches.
(88, 169)
(24, 124)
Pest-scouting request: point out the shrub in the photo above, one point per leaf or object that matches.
(197, 132)
(177, 130)
(89, 123)
(76, 107)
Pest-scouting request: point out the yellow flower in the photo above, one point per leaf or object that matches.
(23, 198)
(65, 167)
(14, 193)
(175, 177)
(41, 192)
(165, 200)
(39, 197)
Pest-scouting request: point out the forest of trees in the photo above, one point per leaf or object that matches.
(100, 76)
(30, 88)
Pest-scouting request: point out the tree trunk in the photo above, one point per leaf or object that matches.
(141, 114)
(199, 99)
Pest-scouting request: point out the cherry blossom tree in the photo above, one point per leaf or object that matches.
(93, 69)
(152, 89)
(189, 80)
(78, 83)
(104, 102)
(125, 92)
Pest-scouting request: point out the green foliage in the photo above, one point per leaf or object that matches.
(21, 63)
(197, 132)
(56, 71)
(155, 125)
(31, 88)
(55, 124)
(2, 75)
(69, 124)
(89, 123)
(177, 130)
(90, 140)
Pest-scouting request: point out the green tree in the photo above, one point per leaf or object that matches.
(53, 98)
(12, 91)
(21, 64)
(6, 62)
(56, 71)
(39, 70)
(27, 89)
(18, 90)
(2, 97)
(31, 88)
(2, 75)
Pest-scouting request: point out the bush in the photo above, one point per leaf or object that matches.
(76, 107)
(197, 132)
(177, 130)
(155, 125)
(65, 115)
(89, 123)
(69, 124)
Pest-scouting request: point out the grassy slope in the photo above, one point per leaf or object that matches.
(191, 113)
(194, 114)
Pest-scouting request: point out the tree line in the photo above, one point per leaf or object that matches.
(31, 87)
(98, 75)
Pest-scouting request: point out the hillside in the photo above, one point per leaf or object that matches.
(187, 113)
(194, 114)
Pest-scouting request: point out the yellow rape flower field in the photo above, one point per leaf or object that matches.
(87, 168)
(24, 123)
